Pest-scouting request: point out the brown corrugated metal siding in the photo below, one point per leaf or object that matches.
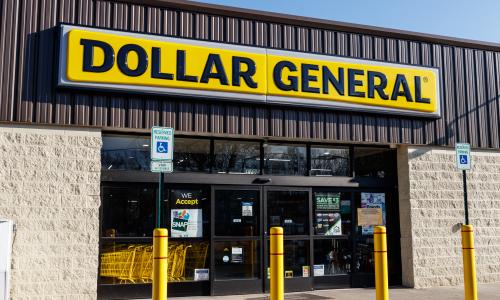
(470, 78)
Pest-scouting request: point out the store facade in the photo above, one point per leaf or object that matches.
(279, 121)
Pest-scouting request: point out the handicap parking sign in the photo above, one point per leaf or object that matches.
(462, 151)
(162, 143)
(161, 147)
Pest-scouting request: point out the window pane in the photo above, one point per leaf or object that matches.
(296, 258)
(128, 211)
(282, 159)
(290, 210)
(331, 257)
(237, 260)
(126, 263)
(191, 155)
(125, 153)
(329, 161)
(237, 157)
(374, 162)
(237, 213)
(332, 213)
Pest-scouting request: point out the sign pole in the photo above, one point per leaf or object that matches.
(159, 200)
(466, 204)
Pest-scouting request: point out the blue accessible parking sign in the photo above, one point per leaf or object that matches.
(462, 151)
(162, 143)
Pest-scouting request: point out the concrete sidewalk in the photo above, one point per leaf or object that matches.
(485, 292)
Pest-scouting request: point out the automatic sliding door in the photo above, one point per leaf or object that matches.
(237, 241)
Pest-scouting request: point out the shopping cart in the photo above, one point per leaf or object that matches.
(119, 263)
(196, 258)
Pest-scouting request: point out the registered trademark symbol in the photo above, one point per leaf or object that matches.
(425, 79)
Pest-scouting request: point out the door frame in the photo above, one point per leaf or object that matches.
(243, 286)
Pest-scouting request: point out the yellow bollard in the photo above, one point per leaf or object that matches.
(277, 291)
(470, 284)
(160, 266)
(380, 254)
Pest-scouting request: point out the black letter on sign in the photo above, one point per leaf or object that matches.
(142, 62)
(418, 91)
(246, 75)
(181, 68)
(156, 65)
(213, 60)
(338, 83)
(372, 87)
(306, 78)
(88, 56)
(278, 70)
(353, 83)
(401, 81)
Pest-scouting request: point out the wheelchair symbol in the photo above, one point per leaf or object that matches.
(463, 159)
(162, 147)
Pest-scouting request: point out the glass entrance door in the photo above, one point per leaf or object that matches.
(290, 208)
(237, 240)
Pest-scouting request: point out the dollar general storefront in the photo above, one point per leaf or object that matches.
(279, 120)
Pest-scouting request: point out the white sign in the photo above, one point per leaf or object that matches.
(246, 209)
(162, 143)
(462, 151)
(186, 223)
(319, 270)
(201, 274)
(162, 166)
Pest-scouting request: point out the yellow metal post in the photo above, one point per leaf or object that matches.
(380, 254)
(160, 267)
(277, 291)
(470, 284)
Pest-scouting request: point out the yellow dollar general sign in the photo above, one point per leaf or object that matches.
(105, 59)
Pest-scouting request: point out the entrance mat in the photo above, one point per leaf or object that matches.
(301, 296)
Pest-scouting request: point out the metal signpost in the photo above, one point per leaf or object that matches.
(162, 153)
(462, 151)
(463, 157)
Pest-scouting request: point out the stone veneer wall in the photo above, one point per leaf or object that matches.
(50, 188)
(431, 208)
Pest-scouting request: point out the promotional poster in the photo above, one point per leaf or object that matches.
(373, 200)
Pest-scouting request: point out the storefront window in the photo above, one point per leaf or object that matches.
(125, 153)
(326, 161)
(237, 213)
(374, 162)
(191, 155)
(290, 210)
(132, 263)
(280, 159)
(331, 257)
(128, 211)
(236, 157)
(237, 260)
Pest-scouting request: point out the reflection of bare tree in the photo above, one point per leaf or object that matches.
(125, 159)
(237, 157)
(330, 162)
(285, 160)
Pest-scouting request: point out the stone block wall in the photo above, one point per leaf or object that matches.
(50, 188)
(432, 207)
